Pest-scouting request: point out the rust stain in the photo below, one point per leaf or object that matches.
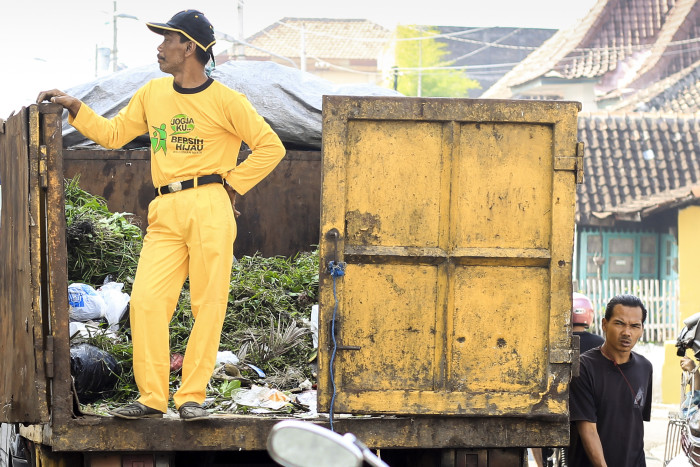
(397, 288)
(362, 227)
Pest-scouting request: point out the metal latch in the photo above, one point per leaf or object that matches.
(334, 326)
(336, 269)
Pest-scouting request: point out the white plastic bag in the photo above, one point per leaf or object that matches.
(85, 303)
(82, 331)
(226, 357)
(116, 302)
(259, 396)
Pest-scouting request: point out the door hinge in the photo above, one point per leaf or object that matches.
(43, 169)
(48, 356)
(572, 163)
(579, 162)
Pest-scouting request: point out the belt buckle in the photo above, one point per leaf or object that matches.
(175, 186)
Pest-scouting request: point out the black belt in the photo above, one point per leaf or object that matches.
(191, 183)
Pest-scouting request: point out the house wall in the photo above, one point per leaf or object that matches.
(592, 239)
(583, 93)
(346, 77)
(689, 273)
(560, 89)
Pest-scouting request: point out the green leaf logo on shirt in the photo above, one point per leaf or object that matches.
(158, 139)
(181, 124)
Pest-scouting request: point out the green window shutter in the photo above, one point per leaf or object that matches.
(668, 269)
(624, 255)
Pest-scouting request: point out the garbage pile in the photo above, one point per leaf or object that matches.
(267, 348)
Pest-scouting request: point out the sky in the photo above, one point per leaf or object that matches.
(46, 48)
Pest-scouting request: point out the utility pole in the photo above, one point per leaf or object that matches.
(239, 48)
(302, 54)
(114, 38)
(115, 15)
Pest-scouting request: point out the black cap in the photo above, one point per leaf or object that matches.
(193, 24)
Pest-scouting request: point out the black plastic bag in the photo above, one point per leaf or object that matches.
(95, 372)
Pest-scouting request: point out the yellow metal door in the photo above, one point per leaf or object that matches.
(455, 222)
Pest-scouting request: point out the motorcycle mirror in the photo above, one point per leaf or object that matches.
(293, 443)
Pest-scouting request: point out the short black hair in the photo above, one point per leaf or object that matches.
(202, 56)
(631, 301)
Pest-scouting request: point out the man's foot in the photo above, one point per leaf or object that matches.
(192, 411)
(136, 410)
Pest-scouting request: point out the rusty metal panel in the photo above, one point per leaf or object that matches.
(249, 432)
(280, 216)
(121, 177)
(456, 222)
(23, 385)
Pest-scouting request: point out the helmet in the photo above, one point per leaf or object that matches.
(582, 312)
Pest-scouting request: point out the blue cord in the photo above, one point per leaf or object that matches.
(335, 270)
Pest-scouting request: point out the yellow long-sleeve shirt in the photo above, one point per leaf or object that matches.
(194, 132)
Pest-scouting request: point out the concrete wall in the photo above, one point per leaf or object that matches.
(688, 275)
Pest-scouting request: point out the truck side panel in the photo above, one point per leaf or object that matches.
(280, 216)
(23, 384)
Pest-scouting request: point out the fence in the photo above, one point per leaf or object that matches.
(660, 297)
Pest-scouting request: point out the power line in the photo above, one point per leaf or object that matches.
(429, 35)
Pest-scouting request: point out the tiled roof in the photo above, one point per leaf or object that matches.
(615, 169)
(545, 58)
(638, 208)
(330, 39)
(677, 93)
(489, 53)
(629, 43)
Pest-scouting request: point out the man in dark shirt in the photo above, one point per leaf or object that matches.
(611, 397)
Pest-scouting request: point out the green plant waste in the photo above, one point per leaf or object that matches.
(267, 318)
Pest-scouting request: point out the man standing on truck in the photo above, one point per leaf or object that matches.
(611, 397)
(196, 126)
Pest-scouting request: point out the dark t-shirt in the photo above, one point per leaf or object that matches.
(600, 394)
(588, 341)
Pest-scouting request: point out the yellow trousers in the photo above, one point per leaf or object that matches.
(190, 232)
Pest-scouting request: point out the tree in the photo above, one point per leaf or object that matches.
(421, 61)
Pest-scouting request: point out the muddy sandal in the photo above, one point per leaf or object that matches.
(190, 411)
(136, 410)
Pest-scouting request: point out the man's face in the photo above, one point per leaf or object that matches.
(624, 328)
(171, 53)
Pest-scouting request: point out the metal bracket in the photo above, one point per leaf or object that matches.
(579, 162)
(572, 163)
(576, 348)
